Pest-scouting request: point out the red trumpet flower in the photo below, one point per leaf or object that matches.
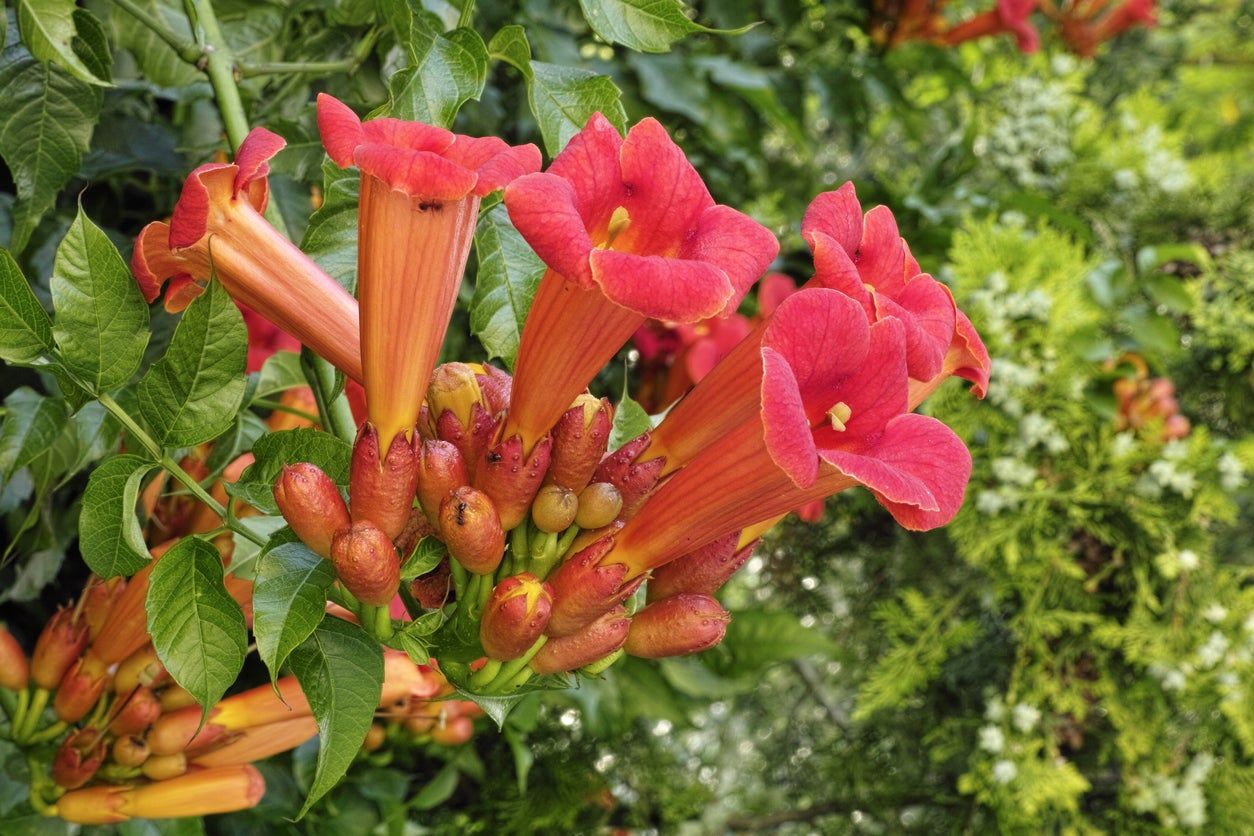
(217, 228)
(1008, 17)
(628, 231)
(420, 192)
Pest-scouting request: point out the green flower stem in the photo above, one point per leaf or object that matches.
(517, 681)
(275, 406)
(343, 597)
(336, 415)
(568, 537)
(33, 714)
(377, 620)
(518, 542)
(295, 67)
(460, 579)
(187, 50)
(51, 733)
(219, 65)
(17, 718)
(510, 670)
(133, 429)
(544, 554)
(485, 674)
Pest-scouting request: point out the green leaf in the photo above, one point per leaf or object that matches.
(445, 70)
(280, 372)
(331, 237)
(1170, 292)
(757, 638)
(101, 325)
(197, 629)
(289, 600)
(630, 420)
(438, 790)
(48, 28)
(645, 25)
(193, 393)
(46, 122)
(508, 275)
(561, 98)
(25, 329)
(413, 637)
(340, 669)
(524, 759)
(273, 451)
(32, 423)
(427, 554)
(109, 535)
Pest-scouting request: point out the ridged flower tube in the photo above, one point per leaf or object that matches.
(202, 792)
(217, 229)
(628, 231)
(825, 403)
(420, 192)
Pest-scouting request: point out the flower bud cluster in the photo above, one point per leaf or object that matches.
(1142, 401)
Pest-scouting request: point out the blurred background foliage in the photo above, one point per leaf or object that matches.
(1074, 654)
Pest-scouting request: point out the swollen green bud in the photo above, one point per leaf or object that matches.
(599, 505)
(554, 508)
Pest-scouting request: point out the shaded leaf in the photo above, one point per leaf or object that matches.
(645, 25)
(25, 329)
(273, 451)
(109, 535)
(289, 600)
(505, 283)
(49, 28)
(32, 423)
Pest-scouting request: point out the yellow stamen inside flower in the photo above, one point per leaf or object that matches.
(839, 416)
(618, 222)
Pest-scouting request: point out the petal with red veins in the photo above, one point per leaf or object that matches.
(973, 362)
(544, 210)
(253, 156)
(190, 218)
(413, 136)
(881, 256)
(152, 263)
(665, 195)
(589, 162)
(661, 288)
(420, 174)
(772, 290)
(735, 243)
(878, 390)
(838, 215)
(340, 129)
(785, 427)
(825, 337)
(934, 455)
(834, 269)
(496, 163)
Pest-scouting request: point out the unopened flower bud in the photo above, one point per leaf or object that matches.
(454, 388)
(583, 590)
(175, 697)
(595, 641)
(58, 646)
(14, 669)
(512, 479)
(130, 751)
(453, 732)
(579, 442)
(140, 668)
(99, 601)
(366, 563)
(1176, 426)
(381, 489)
(126, 628)
(515, 616)
(704, 570)
(634, 480)
(165, 767)
(554, 508)
(676, 626)
(141, 710)
(496, 385)
(471, 528)
(599, 505)
(80, 688)
(311, 503)
(374, 738)
(78, 758)
(441, 470)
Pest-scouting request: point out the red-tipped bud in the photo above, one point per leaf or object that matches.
(703, 571)
(496, 386)
(58, 646)
(431, 589)
(579, 442)
(1176, 426)
(14, 669)
(99, 601)
(599, 505)
(583, 590)
(554, 508)
(366, 563)
(471, 528)
(676, 626)
(80, 689)
(634, 480)
(381, 489)
(141, 710)
(165, 767)
(454, 388)
(441, 470)
(78, 758)
(599, 639)
(140, 668)
(512, 479)
(311, 503)
(130, 751)
(515, 616)
(1161, 388)
(453, 732)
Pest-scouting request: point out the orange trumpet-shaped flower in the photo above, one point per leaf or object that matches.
(420, 192)
(217, 228)
(203, 792)
(258, 742)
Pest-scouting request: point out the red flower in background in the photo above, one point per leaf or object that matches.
(1009, 17)
(1086, 24)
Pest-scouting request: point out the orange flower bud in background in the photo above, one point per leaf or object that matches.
(583, 590)
(99, 599)
(597, 640)
(140, 711)
(59, 645)
(175, 697)
(366, 563)
(441, 470)
(14, 669)
(676, 626)
(374, 738)
(165, 767)
(454, 732)
(579, 442)
(176, 731)
(126, 628)
(512, 479)
(199, 793)
(130, 751)
(515, 616)
(140, 668)
(311, 503)
(80, 689)
(471, 529)
(78, 758)
(94, 805)
(258, 742)
(381, 488)
(704, 570)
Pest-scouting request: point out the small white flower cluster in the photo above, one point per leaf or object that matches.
(1031, 141)
(1177, 801)
(1035, 430)
(1212, 652)
(1023, 717)
(1231, 472)
(1172, 679)
(1167, 474)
